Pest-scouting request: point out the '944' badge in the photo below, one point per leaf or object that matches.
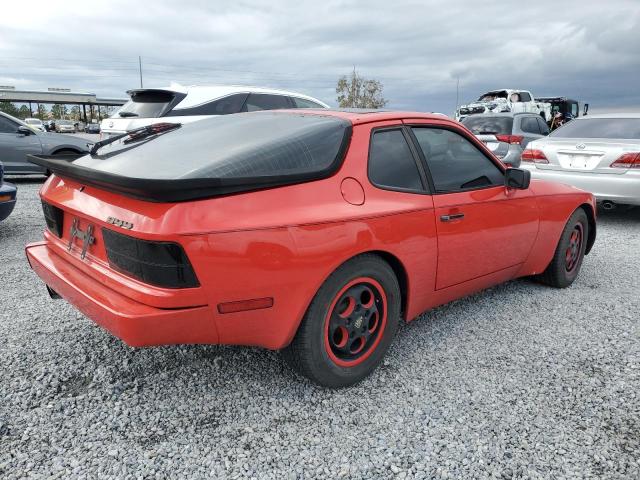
(120, 223)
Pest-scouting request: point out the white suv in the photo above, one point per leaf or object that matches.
(181, 104)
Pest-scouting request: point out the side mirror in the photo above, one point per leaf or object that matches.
(586, 109)
(24, 130)
(517, 178)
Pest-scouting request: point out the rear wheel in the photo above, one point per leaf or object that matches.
(349, 325)
(567, 260)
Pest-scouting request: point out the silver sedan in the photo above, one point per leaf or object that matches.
(17, 140)
(597, 153)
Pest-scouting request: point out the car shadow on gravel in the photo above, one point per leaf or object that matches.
(625, 213)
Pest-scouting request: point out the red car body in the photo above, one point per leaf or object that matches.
(261, 256)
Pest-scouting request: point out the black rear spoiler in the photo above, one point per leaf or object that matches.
(168, 190)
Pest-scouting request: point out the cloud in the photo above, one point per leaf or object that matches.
(417, 49)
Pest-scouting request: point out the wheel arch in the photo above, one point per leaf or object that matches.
(591, 216)
(65, 149)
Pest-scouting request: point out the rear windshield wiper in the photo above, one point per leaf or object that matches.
(136, 134)
(128, 114)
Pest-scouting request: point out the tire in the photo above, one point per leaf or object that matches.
(567, 260)
(349, 324)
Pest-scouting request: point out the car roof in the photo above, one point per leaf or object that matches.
(197, 94)
(503, 114)
(611, 115)
(358, 116)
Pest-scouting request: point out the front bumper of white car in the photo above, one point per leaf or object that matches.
(624, 188)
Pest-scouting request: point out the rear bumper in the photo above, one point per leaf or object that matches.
(135, 323)
(624, 188)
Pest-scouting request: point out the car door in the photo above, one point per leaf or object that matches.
(15, 146)
(482, 226)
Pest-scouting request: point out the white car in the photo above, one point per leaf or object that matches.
(505, 100)
(179, 104)
(35, 123)
(597, 153)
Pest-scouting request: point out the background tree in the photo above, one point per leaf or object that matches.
(10, 108)
(75, 113)
(23, 112)
(59, 111)
(43, 113)
(358, 92)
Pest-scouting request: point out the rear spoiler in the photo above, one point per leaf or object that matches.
(169, 190)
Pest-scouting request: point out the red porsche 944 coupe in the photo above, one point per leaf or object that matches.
(313, 232)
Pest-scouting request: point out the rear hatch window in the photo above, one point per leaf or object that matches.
(484, 125)
(618, 128)
(147, 104)
(216, 156)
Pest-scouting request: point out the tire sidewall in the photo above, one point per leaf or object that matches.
(578, 217)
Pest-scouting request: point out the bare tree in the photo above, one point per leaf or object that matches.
(358, 92)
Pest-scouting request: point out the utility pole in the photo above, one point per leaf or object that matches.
(140, 67)
(457, 91)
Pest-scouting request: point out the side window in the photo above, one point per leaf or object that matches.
(391, 163)
(530, 125)
(525, 97)
(7, 126)
(454, 162)
(544, 128)
(261, 101)
(304, 103)
(574, 110)
(222, 106)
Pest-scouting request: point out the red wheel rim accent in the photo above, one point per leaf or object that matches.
(355, 322)
(574, 249)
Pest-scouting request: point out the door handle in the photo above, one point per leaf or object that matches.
(453, 216)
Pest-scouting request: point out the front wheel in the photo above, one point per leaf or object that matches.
(567, 260)
(349, 325)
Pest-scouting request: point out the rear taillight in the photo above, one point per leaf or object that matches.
(628, 160)
(512, 139)
(53, 216)
(533, 156)
(163, 264)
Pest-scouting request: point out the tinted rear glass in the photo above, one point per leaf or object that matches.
(146, 105)
(627, 128)
(479, 124)
(261, 144)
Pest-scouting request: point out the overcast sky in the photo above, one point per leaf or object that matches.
(587, 50)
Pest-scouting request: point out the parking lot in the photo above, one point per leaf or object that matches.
(520, 381)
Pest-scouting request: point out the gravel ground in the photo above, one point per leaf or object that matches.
(520, 381)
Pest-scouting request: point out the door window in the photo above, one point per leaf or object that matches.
(455, 163)
(259, 101)
(222, 106)
(544, 128)
(304, 103)
(525, 97)
(391, 163)
(530, 125)
(7, 126)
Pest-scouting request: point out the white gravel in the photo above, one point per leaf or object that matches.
(521, 381)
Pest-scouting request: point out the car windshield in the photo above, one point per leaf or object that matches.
(145, 104)
(64, 122)
(33, 121)
(620, 128)
(480, 124)
(491, 96)
(237, 146)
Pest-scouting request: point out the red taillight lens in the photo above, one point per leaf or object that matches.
(533, 156)
(628, 160)
(512, 139)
